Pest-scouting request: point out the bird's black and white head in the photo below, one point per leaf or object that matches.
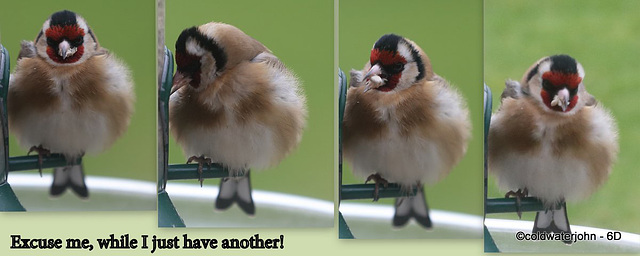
(395, 64)
(65, 39)
(556, 81)
(199, 58)
(207, 52)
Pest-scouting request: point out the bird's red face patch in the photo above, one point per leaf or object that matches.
(546, 98)
(72, 34)
(386, 57)
(189, 65)
(553, 82)
(561, 79)
(388, 60)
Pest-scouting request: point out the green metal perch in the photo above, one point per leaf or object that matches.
(190, 171)
(25, 163)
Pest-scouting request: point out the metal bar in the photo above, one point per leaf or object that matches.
(24, 163)
(8, 200)
(167, 214)
(487, 122)
(365, 191)
(344, 232)
(489, 244)
(5, 65)
(190, 171)
(4, 130)
(164, 87)
(507, 205)
(341, 103)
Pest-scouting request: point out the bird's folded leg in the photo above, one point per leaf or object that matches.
(200, 160)
(41, 151)
(518, 195)
(378, 180)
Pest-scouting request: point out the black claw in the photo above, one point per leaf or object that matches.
(41, 151)
(200, 160)
(518, 204)
(378, 180)
(376, 194)
(521, 193)
(200, 174)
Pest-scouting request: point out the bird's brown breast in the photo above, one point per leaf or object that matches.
(525, 129)
(31, 90)
(408, 116)
(42, 88)
(242, 97)
(370, 115)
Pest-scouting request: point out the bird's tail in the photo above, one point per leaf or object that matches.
(412, 207)
(553, 221)
(238, 190)
(71, 176)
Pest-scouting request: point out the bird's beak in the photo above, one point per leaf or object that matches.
(561, 99)
(373, 71)
(65, 50)
(178, 81)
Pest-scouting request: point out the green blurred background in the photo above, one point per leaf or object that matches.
(450, 32)
(127, 29)
(603, 36)
(300, 33)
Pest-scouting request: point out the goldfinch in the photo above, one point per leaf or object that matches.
(235, 103)
(403, 123)
(551, 140)
(68, 95)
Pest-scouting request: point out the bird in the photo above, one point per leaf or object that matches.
(233, 102)
(403, 124)
(68, 95)
(551, 139)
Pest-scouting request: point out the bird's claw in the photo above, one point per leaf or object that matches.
(518, 196)
(41, 151)
(200, 160)
(378, 180)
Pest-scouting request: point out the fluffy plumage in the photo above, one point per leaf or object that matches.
(559, 151)
(411, 129)
(235, 103)
(68, 94)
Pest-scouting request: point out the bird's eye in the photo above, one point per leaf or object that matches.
(573, 91)
(50, 41)
(546, 85)
(398, 67)
(77, 42)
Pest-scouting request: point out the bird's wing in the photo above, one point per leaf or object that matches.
(27, 50)
(269, 59)
(101, 51)
(512, 90)
(356, 78)
(589, 100)
(439, 81)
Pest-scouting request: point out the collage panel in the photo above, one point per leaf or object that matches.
(412, 122)
(76, 106)
(562, 142)
(277, 125)
(249, 109)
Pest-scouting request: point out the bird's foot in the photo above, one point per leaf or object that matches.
(200, 160)
(378, 180)
(41, 151)
(521, 193)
